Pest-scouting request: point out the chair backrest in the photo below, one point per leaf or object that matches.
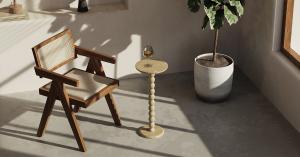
(55, 51)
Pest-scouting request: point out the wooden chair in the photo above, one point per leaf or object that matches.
(77, 88)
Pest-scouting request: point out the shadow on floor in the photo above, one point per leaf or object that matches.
(10, 153)
(245, 125)
(20, 106)
(20, 134)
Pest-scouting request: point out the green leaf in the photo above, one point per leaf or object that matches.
(194, 5)
(231, 14)
(217, 1)
(232, 9)
(215, 13)
(209, 3)
(211, 14)
(238, 5)
(205, 22)
(219, 19)
(243, 2)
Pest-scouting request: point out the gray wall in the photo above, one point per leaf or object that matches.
(260, 58)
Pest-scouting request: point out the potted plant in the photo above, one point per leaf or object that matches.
(213, 72)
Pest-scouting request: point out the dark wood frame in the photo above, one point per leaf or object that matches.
(287, 33)
(57, 90)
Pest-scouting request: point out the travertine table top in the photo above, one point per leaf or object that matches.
(151, 66)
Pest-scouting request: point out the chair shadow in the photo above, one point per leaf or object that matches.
(58, 111)
(11, 153)
(61, 113)
(21, 135)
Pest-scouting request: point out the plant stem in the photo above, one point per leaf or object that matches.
(215, 45)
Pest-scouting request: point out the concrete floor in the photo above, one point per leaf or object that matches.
(246, 125)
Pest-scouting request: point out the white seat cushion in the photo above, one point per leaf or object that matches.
(89, 84)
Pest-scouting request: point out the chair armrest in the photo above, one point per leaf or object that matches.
(88, 53)
(56, 77)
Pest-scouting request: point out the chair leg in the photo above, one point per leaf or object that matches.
(46, 114)
(74, 125)
(71, 116)
(113, 109)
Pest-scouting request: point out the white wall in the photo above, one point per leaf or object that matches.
(174, 32)
(260, 58)
(295, 41)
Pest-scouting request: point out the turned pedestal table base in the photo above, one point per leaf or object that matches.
(151, 67)
(145, 132)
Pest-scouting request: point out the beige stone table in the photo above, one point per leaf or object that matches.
(151, 67)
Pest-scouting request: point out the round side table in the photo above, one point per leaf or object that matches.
(151, 67)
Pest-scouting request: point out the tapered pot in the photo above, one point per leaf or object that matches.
(213, 83)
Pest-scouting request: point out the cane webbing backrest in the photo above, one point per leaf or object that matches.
(55, 52)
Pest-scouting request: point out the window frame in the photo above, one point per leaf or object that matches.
(287, 32)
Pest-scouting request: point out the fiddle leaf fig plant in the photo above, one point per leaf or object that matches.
(217, 12)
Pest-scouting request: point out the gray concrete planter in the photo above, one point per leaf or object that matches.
(213, 84)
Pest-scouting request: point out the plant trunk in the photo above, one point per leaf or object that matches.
(215, 45)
